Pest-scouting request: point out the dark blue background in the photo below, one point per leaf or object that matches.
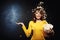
(13, 31)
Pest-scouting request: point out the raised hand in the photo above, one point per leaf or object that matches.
(20, 23)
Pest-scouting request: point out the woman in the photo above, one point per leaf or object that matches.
(37, 25)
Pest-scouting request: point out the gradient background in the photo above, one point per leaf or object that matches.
(12, 11)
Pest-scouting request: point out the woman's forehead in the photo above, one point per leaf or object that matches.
(37, 10)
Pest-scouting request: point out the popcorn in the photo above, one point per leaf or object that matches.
(48, 27)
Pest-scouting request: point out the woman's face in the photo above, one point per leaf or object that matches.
(37, 14)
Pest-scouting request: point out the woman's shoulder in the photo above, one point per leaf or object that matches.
(45, 21)
(31, 21)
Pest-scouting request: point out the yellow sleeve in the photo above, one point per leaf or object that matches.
(45, 22)
(27, 31)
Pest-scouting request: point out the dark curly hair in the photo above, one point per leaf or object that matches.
(42, 12)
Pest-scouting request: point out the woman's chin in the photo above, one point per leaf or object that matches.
(38, 18)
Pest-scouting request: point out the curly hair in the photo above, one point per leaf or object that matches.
(42, 12)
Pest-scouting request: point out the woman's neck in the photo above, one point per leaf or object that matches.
(38, 20)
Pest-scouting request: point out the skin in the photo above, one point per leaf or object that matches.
(38, 15)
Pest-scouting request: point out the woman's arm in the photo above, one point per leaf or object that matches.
(48, 29)
(49, 33)
(27, 31)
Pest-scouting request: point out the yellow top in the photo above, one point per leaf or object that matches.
(37, 28)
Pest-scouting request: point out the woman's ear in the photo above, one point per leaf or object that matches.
(34, 18)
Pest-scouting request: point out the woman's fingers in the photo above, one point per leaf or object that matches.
(17, 23)
(20, 23)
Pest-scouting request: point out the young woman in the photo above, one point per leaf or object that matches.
(37, 25)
